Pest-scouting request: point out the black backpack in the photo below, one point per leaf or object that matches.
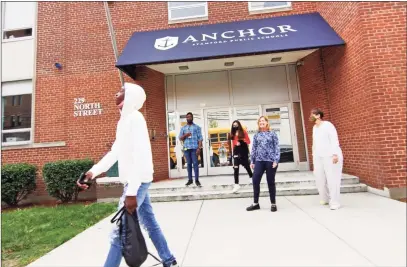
(135, 250)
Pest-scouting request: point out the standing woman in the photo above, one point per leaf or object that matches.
(240, 146)
(265, 158)
(328, 159)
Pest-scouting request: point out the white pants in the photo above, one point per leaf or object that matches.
(328, 178)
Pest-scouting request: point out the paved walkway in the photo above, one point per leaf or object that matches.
(368, 231)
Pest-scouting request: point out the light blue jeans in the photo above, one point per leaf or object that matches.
(148, 221)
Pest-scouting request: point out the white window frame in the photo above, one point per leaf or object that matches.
(187, 18)
(18, 143)
(3, 30)
(252, 10)
(21, 130)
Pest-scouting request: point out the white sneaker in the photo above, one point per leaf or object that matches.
(334, 206)
(236, 188)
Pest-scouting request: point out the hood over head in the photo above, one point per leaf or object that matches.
(134, 98)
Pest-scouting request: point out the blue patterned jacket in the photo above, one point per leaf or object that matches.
(265, 147)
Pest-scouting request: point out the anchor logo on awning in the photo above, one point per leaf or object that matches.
(166, 43)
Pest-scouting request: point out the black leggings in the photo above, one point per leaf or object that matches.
(236, 164)
(259, 168)
(241, 157)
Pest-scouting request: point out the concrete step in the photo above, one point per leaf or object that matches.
(243, 193)
(286, 183)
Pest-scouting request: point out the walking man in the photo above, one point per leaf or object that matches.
(191, 135)
(132, 150)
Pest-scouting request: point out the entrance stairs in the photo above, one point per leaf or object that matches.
(220, 187)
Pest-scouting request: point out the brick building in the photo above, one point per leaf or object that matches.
(349, 58)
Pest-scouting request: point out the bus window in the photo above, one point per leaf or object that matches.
(223, 137)
(214, 138)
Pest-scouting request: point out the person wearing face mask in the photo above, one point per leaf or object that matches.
(135, 161)
(240, 146)
(265, 158)
(328, 159)
(191, 135)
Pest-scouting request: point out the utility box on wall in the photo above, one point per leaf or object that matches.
(113, 171)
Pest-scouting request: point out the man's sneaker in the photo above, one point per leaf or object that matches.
(198, 184)
(273, 207)
(253, 207)
(189, 183)
(236, 188)
(173, 264)
(323, 202)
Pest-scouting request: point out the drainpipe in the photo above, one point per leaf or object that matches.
(113, 38)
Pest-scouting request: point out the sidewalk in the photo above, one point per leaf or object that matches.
(368, 231)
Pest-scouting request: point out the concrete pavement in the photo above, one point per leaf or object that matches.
(368, 231)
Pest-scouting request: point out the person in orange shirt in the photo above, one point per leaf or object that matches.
(240, 146)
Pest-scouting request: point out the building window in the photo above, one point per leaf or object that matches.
(18, 20)
(268, 6)
(180, 11)
(16, 111)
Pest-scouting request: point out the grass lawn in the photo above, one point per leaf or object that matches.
(28, 234)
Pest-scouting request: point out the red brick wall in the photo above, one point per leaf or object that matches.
(362, 87)
(385, 39)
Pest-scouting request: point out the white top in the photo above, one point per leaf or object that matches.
(325, 141)
(132, 148)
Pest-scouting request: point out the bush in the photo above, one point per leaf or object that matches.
(60, 178)
(17, 181)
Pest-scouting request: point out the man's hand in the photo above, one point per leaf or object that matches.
(252, 166)
(274, 165)
(130, 203)
(335, 159)
(185, 136)
(89, 176)
(198, 152)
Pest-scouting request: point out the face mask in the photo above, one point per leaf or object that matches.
(313, 119)
(235, 127)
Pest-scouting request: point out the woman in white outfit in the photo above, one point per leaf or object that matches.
(328, 159)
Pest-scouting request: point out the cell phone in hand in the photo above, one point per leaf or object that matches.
(82, 180)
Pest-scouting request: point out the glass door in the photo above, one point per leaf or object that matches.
(280, 119)
(218, 123)
(177, 160)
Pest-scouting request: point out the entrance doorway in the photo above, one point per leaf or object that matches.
(216, 155)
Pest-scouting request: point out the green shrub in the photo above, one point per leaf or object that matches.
(60, 178)
(17, 181)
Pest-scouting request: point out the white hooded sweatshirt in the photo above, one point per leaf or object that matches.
(132, 148)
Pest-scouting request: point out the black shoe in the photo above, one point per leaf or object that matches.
(253, 207)
(198, 184)
(273, 207)
(173, 264)
(189, 183)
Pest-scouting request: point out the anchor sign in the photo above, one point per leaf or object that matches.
(166, 43)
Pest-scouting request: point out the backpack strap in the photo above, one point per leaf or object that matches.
(159, 262)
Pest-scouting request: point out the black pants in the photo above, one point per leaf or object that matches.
(241, 157)
(236, 164)
(259, 168)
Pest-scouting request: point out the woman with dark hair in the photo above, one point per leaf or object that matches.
(240, 146)
(328, 159)
(265, 158)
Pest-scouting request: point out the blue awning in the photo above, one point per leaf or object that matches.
(287, 33)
